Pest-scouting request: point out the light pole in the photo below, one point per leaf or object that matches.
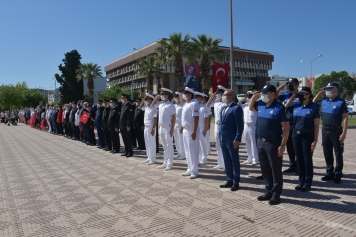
(231, 48)
(311, 64)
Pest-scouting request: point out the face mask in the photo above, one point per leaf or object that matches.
(329, 93)
(81, 104)
(136, 104)
(224, 99)
(110, 104)
(163, 97)
(184, 97)
(176, 100)
(248, 100)
(301, 98)
(290, 87)
(98, 105)
(122, 101)
(264, 98)
(218, 96)
(146, 103)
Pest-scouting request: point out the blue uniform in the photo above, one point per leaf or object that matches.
(269, 132)
(98, 125)
(331, 113)
(290, 148)
(303, 136)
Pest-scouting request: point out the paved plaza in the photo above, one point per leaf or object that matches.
(52, 186)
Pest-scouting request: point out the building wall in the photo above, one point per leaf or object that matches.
(99, 87)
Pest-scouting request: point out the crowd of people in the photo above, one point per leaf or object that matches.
(269, 121)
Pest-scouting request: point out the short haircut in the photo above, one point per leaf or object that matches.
(230, 92)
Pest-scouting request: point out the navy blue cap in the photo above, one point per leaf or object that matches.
(293, 80)
(304, 89)
(269, 88)
(331, 85)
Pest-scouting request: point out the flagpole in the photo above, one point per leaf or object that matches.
(231, 49)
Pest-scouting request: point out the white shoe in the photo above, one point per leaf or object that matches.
(218, 167)
(202, 162)
(164, 165)
(177, 156)
(168, 168)
(146, 161)
(181, 158)
(151, 163)
(247, 162)
(186, 174)
(193, 176)
(254, 163)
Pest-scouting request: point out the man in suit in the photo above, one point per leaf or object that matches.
(230, 133)
(113, 125)
(105, 126)
(139, 125)
(98, 124)
(90, 128)
(191, 81)
(126, 120)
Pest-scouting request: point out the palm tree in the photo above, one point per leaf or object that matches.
(89, 71)
(174, 50)
(148, 68)
(207, 49)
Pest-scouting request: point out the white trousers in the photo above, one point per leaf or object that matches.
(250, 139)
(191, 150)
(49, 127)
(178, 138)
(150, 142)
(208, 142)
(218, 147)
(167, 143)
(203, 147)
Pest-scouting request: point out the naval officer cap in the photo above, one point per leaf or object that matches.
(125, 95)
(269, 88)
(221, 89)
(176, 93)
(113, 100)
(250, 92)
(331, 85)
(188, 90)
(197, 93)
(165, 90)
(149, 96)
(106, 100)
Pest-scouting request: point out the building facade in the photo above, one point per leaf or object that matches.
(250, 70)
(99, 87)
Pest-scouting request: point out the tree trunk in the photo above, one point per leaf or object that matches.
(91, 90)
(179, 73)
(205, 74)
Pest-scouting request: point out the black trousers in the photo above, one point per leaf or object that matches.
(115, 141)
(133, 137)
(107, 138)
(60, 128)
(91, 135)
(126, 137)
(271, 165)
(331, 143)
(140, 138)
(290, 150)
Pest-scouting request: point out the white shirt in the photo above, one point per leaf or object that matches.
(150, 114)
(217, 109)
(166, 111)
(179, 109)
(190, 110)
(203, 113)
(249, 116)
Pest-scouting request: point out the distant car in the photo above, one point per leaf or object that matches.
(240, 96)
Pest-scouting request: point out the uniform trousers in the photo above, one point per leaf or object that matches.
(191, 150)
(167, 144)
(126, 137)
(178, 138)
(140, 138)
(302, 146)
(91, 134)
(150, 142)
(290, 151)
(203, 147)
(331, 142)
(250, 140)
(232, 162)
(101, 136)
(207, 137)
(107, 135)
(133, 137)
(49, 125)
(115, 140)
(271, 165)
(218, 146)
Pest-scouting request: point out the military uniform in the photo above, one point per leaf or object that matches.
(98, 125)
(106, 129)
(113, 122)
(126, 122)
(139, 127)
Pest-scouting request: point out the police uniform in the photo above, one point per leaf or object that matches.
(166, 112)
(303, 136)
(139, 127)
(332, 115)
(178, 137)
(98, 125)
(290, 148)
(189, 112)
(203, 146)
(269, 132)
(106, 127)
(126, 118)
(150, 140)
(113, 123)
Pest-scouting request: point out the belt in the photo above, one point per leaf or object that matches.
(164, 125)
(265, 139)
(187, 127)
(250, 124)
(217, 122)
(303, 132)
(331, 128)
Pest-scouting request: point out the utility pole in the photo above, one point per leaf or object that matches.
(231, 49)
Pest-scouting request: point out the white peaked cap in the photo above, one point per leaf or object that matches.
(177, 92)
(187, 89)
(149, 95)
(166, 90)
(221, 88)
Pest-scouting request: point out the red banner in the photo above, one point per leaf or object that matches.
(220, 75)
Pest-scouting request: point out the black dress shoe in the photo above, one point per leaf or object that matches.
(235, 187)
(226, 185)
(298, 187)
(328, 177)
(125, 154)
(129, 155)
(289, 170)
(265, 197)
(305, 189)
(337, 180)
(259, 177)
(274, 200)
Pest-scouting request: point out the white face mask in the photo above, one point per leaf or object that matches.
(328, 94)
(218, 96)
(122, 100)
(110, 104)
(163, 97)
(224, 99)
(248, 100)
(184, 97)
(264, 98)
(176, 100)
(146, 103)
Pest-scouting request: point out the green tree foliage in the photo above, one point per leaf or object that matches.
(32, 97)
(347, 84)
(149, 67)
(116, 92)
(89, 71)
(70, 88)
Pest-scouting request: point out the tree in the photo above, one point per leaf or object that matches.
(347, 85)
(149, 67)
(70, 88)
(89, 71)
(174, 50)
(32, 97)
(207, 49)
(116, 92)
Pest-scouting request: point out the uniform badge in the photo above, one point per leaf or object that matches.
(271, 112)
(334, 107)
(324, 106)
(308, 112)
(131, 110)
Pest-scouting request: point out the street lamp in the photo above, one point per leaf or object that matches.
(311, 64)
(231, 49)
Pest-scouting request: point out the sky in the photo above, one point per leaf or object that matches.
(36, 34)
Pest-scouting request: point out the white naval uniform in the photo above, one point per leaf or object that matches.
(203, 147)
(190, 110)
(208, 132)
(250, 118)
(178, 137)
(166, 111)
(217, 109)
(150, 141)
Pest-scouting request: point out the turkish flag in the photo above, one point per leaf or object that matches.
(310, 83)
(220, 75)
(84, 118)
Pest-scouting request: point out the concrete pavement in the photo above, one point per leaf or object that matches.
(52, 186)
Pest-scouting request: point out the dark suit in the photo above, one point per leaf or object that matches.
(193, 83)
(90, 130)
(138, 123)
(133, 129)
(125, 122)
(113, 122)
(106, 128)
(98, 125)
(231, 129)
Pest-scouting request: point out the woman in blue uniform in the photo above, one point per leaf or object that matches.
(305, 132)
